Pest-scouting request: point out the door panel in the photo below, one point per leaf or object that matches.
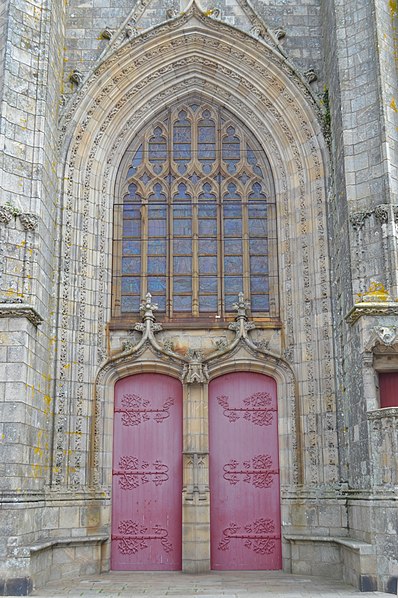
(244, 473)
(147, 474)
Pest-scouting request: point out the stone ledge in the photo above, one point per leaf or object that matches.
(355, 545)
(20, 310)
(374, 308)
(68, 541)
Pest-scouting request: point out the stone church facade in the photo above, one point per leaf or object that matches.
(198, 288)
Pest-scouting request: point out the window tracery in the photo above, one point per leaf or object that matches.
(196, 219)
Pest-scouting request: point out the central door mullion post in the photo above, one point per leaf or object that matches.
(196, 495)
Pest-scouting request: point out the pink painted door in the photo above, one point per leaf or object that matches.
(147, 474)
(244, 473)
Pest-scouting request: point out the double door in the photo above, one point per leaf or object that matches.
(243, 473)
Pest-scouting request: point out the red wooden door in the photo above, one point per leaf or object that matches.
(244, 473)
(147, 474)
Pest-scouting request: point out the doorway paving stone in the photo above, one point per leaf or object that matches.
(231, 584)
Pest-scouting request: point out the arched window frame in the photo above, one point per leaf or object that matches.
(225, 120)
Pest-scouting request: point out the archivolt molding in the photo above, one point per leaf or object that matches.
(170, 62)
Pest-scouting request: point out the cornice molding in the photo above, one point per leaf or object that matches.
(11, 309)
(365, 308)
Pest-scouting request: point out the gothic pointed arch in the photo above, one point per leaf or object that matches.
(192, 54)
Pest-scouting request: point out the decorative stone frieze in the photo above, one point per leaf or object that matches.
(388, 308)
(383, 213)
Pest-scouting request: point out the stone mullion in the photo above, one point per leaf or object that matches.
(245, 248)
(220, 218)
(169, 224)
(195, 222)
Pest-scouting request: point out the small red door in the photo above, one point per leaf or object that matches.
(244, 473)
(147, 474)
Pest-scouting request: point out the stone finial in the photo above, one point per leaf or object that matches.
(147, 307)
(242, 306)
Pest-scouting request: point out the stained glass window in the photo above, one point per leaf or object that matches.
(196, 221)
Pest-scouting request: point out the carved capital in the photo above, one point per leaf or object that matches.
(29, 221)
(358, 219)
(381, 213)
(5, 215)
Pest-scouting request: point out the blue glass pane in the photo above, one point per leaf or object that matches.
(156, 212)
(207, 247)
(233, 284)
(131, 211)
(157, 148)
(257, 192)
(232, 192)
(182, 303)
(182, 246)
(207, 211)
(233, 247)
(258, 246)
(252, 159)
(260, 303)
(182, 142)
(182, 227)
(133, 196)
(258, 228)
(136, 161)
(182, 211)
(157, 228)
(258, 264)
(156, 265)
(157, 247)
(158, 194)
(208, 265)
(156, 284)
(233, 264)
(131, 284)
(259, 284)
(130, 303)
(131, 265)
(131, 248)
(208, 303)
(233, 210)
(182, 192)
(131, 228)
(233, 228)
(182, 284)
(182, 265)
(257, 210)
(208, 228)
(208, 284)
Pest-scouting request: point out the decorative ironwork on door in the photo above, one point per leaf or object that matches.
(147, 474)
(244, 472)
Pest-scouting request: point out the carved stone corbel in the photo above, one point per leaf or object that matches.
(29, 221)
